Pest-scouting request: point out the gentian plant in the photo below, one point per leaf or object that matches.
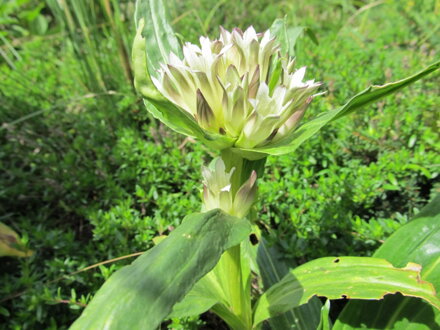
(242, 96)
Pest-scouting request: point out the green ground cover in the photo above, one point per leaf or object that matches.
(87, 175)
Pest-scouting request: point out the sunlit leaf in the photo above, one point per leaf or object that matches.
(141, 295)
(417, 241)
(344, 277)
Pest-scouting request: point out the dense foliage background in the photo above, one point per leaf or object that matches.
(87, 175)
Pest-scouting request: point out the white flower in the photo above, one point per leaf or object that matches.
(239, 86)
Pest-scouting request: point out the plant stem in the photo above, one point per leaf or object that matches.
(233, 286)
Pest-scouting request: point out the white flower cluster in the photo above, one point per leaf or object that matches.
(239, 86)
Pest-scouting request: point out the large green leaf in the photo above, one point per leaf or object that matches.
(272, 270)
(308, 129)
(344, 277)
(417, 241)
(394, 312)
(205, 294)
(141, 295)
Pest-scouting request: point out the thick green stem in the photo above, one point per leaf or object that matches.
(233, 286)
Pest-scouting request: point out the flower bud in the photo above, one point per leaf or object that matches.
(217, 192)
